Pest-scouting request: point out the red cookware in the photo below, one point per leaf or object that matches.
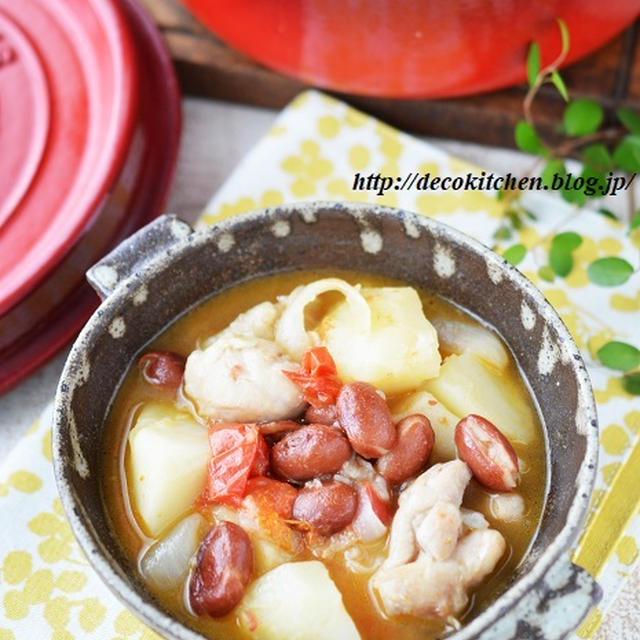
(89, 136)
(410, 48)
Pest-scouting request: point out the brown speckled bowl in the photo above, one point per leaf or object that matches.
(166, 268)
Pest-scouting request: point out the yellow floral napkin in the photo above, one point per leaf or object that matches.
(317, 144)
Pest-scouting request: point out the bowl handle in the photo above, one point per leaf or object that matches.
(134, 252)
(551, 610)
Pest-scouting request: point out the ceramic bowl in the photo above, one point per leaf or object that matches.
(167, 268)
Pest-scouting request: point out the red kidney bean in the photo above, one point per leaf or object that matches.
(275, 494)
(366, 419)
(309, 452)
(488, 453)
(322, 415)
(411, 451)
(328, 507)
(278, 427)
(381, 506)
(162, 368)
(223, 570)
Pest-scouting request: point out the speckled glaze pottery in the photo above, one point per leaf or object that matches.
(167, 268)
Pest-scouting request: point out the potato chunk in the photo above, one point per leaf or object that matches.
(442, 420)
(397, 353)
(167, 465)
(467, 385)
(296, 601)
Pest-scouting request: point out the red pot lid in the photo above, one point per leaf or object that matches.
(68, 101)
(49, 312)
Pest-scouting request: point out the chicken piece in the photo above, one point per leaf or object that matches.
(432, 560)
(473, 520)
(423, 588)
(240, 379)
(444, 483)
(478, 552)
(437, 535)
(257, 322)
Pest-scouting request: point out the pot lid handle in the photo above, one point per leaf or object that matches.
(132, 254)
(553, 609)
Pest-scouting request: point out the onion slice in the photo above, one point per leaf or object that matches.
(291, 333)
(166, 563)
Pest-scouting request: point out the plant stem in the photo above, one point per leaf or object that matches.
(543, 76)
(528, 99)
(568, 146)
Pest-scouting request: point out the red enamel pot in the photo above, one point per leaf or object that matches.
(413, 48)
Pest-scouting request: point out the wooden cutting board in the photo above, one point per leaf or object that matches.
(208, 67)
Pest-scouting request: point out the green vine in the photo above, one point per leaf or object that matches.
(603, 151)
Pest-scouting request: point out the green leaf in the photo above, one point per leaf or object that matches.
(619, 355)
(595, 182)
(629, 118)
(582, 116)
(515, 253)
(564, 37)
(559, 84)
(533, 63)
(575, 196)
(502, 233)
(627, 154)
(561, 261)
(607, 213)
(514, 218)
(609, 272)
(553, 167)
(546, 273)
(631, 383)
(566, 241)
(635, 221)
(597, 156)
(529, 214)
(527, 137)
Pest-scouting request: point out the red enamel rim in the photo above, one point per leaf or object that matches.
(72, 69)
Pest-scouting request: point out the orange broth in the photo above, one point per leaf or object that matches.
(214, 315)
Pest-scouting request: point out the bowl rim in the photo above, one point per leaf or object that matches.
(75, 369)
